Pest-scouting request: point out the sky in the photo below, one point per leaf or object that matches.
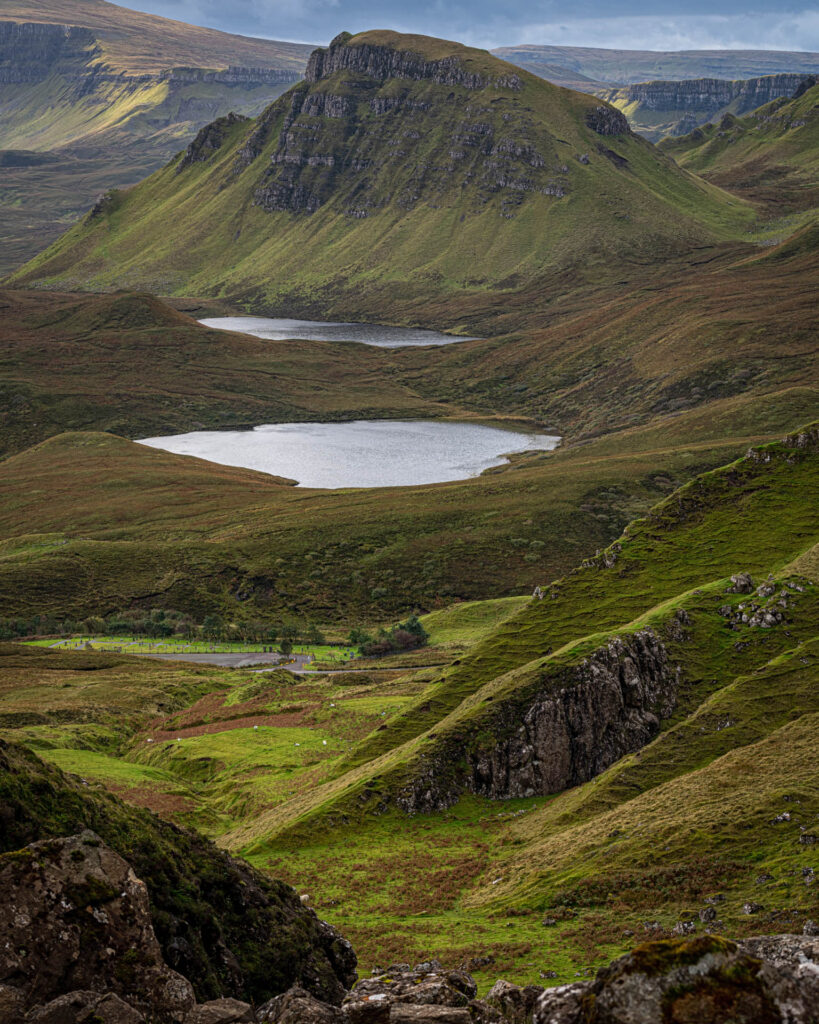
(630, 24)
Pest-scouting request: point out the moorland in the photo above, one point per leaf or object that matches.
(550, 778)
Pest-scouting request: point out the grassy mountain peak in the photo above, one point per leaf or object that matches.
(401, 167)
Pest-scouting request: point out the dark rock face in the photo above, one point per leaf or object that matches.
(514, 1003)
(577, 722)
(74, 916)
(228, 929)
(770, 980)
(382, 62)
(209, 140)
(298, 1007)
(221, 1011)
(423, 994)
(82, 1007)
(357, 131)
(30, 51)
(607, 121)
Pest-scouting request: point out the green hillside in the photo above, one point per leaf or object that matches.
(94, 96)
(702, 533)
(768, 156)
(703, 806)
(365, 186)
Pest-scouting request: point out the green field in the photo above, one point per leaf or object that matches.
(324, 653)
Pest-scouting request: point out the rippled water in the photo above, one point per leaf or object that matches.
(365, 453)
(315, 330)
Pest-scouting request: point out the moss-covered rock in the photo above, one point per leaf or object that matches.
(227, 928)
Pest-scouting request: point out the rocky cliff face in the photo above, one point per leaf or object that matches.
(248, 78)
(661, 108)
(359, 130)
(709, 95)
(30, 52)
(75, 917)
(383, 62)
(568, 727)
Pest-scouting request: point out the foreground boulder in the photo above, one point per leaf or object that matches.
(770, 980)
(75, 919)
(228, 929)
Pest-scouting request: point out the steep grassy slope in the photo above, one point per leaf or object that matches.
(230, 929)
(139, 43)
(769, 156)
(105, 96)
(686, 816)
(403, 169)
(626, 66)
(703, 532)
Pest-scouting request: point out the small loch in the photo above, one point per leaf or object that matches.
(362, 453)
(317, 330)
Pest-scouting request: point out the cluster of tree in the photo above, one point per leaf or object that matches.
(406, 636)
(286, 633)
(160, 623)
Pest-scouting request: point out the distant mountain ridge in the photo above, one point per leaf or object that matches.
(111, 94)
(135, 42)
(626, 67)
(662, 108)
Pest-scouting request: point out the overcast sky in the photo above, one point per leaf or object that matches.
(632, 24)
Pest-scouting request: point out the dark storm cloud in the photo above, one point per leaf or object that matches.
(634, 24)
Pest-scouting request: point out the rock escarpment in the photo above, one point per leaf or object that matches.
(31, 51)
(360, 131)
(710, 95)
(75, 917)
(559, 730)
(661, 108)
(383, 62)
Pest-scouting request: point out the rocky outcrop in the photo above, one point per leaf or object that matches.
(773, 980)
(247, 78)
(358, 132)
(209, 140)
(563, 729)
(672, 108)
(228, 929)
(383, 62)
(74, 916)
(607, 121)
(708, 96)
(768, 980)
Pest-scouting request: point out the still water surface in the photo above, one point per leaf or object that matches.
(364, 453)
(316, 330)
